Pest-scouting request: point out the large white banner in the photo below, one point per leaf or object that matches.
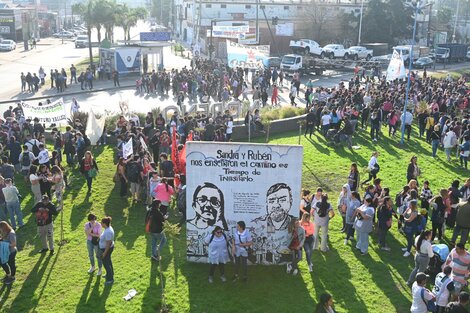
(396, 68)
(259, 184)
(53, 112)
(94, 127)
(252, 57)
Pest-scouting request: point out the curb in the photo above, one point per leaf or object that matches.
(60, 95)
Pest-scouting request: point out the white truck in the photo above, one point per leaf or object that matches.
(306, 46)
(358, 52)
(405, 50)
(291, 63)
(333, 51)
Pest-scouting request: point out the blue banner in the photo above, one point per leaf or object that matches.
(155, 36)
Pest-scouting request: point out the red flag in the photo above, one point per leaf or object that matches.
(174, 155)
(182, 154)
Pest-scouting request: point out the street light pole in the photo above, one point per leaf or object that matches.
(360, 24)
(410, 63)
(455, 22)
(211, 47)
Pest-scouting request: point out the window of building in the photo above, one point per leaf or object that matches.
(223, 6)
(208, 5)
(286, 7)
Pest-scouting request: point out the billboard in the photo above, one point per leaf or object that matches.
(226, 31)
(239, 55)
(259, 184)
(155, 36)
(286, 29)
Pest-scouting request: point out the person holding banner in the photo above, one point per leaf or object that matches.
(89, 169)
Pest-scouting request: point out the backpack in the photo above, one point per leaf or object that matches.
(398, 200)
(133, 172)
(25, 159)
(35, 148)
(148, 222)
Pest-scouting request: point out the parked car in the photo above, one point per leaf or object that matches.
(424, 62)
(7, 45)
(81, 41)
(335, 51)
(64, 34)
(306, 46)
(358, 52)
(272, 62)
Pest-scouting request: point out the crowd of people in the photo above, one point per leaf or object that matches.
(59, 79)
(150, 176)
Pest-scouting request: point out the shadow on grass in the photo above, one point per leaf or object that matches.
(153, 290)
(30, 284)
(93, 301)
(347, 295)
(4, 293)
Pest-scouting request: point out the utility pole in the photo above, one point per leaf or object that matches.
(429, 24)
(65, 18)
(257, 22)
(199, 13)
(455, 22)
(211, 46)
(88, 25)
(360, 24)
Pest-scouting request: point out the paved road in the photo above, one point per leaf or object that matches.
(50, 53)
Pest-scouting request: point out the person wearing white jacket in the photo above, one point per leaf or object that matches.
(449, 142)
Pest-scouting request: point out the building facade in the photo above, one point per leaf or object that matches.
(193, 18)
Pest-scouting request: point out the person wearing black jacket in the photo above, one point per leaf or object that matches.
(347, 131)
(459, 306)
(44, 211)
(310, 123)
(155, 220)
(413, 170)
(154, 144)
(88, 168)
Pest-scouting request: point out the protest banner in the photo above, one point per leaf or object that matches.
(127, 149)
(396, 67)
(251, 57)
(259, 184)
(94, 127)
(53, 112)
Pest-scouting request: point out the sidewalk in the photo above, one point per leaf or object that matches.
(45, 92)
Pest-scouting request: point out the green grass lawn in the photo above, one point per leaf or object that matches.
(372, 283)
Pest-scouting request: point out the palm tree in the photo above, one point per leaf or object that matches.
(128, 18)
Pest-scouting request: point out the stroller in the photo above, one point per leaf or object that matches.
(441, 251)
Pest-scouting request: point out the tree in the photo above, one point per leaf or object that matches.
(161, 11)
(374, 20)
(316, 16)
(444, 15)
(387, 21)
(128, 18)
